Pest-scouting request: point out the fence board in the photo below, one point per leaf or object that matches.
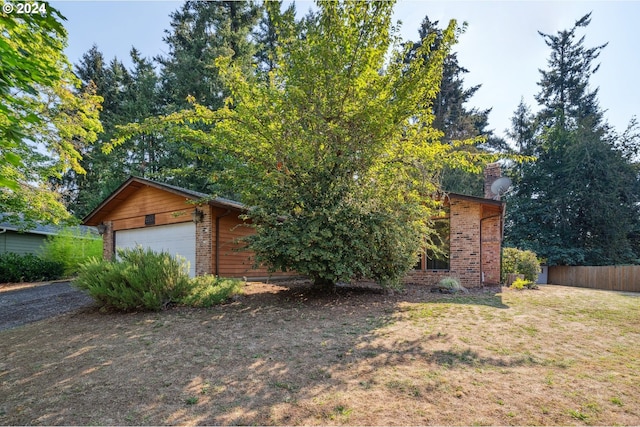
(613, 278)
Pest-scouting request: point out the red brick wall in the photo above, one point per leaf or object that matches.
(465, 242)
(204, 242)
(428, 277)
(468, 260)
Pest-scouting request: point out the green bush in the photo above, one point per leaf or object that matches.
(520, 262)
(145, 280)
(207, 291)
(72, 247)
(140, 279)
(16, 268)
(523, 284)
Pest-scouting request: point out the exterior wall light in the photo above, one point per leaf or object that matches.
(102, 228)
(197, 215)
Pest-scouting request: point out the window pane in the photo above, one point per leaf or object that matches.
(439, 259)
(418, 265)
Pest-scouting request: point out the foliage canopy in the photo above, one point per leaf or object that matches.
(335, 146)
(44, 120)
(578, 203)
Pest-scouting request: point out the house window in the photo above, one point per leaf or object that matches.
(418, 265)
(437, 257)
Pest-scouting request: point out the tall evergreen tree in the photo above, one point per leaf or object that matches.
(577, 203)
(112, 80)
(452, 116)
(201, 31)
(268, 33)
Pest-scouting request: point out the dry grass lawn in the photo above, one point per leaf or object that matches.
(289, 355)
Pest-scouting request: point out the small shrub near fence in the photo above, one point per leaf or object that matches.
(516, 261)
(521, 284)
(16, 268)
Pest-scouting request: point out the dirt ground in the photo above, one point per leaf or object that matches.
(291, 355)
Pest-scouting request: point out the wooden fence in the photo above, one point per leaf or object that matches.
(612, 278)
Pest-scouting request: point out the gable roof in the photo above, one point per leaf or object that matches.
(134, 183)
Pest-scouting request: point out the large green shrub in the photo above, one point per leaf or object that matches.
(72, 247)
(520, 262)
(141, 279)
(28, 268)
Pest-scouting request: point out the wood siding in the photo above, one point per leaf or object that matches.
(611, 278)
(234, 260)
(168, 209)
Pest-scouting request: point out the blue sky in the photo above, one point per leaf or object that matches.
(501, 47)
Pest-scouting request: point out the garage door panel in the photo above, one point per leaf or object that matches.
(176, 239)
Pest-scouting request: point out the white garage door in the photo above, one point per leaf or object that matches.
(176, 239)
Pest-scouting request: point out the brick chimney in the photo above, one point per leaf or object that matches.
(491, 172)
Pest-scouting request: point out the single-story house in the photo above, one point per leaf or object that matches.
(22, 240)
(205, 231)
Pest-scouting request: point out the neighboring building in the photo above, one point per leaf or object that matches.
(21, 240)
(205, 232)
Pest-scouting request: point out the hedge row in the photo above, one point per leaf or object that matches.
(16, 268)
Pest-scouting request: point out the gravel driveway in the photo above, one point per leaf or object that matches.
(30, 304)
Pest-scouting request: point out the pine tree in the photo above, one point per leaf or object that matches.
(201, 31)
(268, 33)
(577, 203)
(82, 192)
(454, 119)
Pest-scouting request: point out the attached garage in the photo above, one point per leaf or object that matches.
(176, 239)
(182, 222)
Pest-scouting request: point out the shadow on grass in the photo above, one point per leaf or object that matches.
(304, 290)
(246, 362)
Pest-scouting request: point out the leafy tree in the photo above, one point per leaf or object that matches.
(578, 203)
(45, 120)
(335, 151)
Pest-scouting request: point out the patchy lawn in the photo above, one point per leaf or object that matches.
(292, 356)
